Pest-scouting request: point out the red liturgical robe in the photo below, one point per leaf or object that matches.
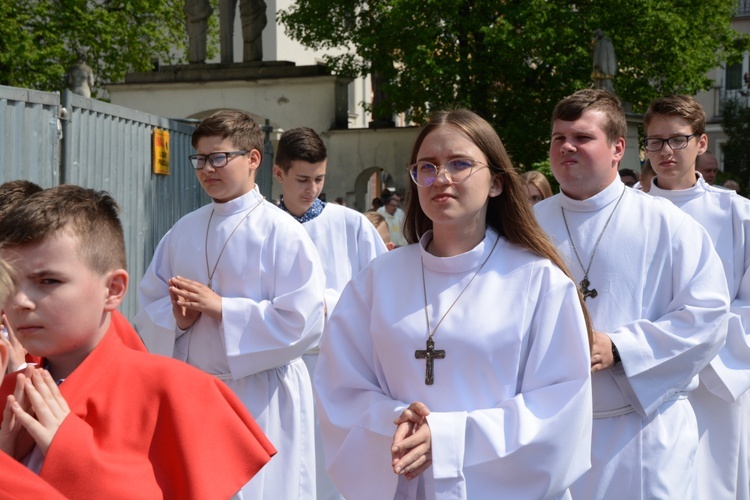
(149, 426)
(19, 483)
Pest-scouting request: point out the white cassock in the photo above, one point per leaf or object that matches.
(395, 226)
(663, 300)
(346, 241)
(511, 403)
(271, 283)
(721, 402)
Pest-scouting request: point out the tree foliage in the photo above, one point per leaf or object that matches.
(40, 39)
(512, 60)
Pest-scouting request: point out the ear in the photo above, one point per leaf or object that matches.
(390, 246)
(117, 287)
(618, 151)
(278, 173)
(497, 185)
(254, 159)
(702, 144)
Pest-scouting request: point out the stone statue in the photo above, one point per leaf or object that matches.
(80, 77)
(197, 13)
(605, 63)
(253, 16)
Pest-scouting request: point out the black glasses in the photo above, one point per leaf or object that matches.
(217, 160)
(654, 144)
(424, 173)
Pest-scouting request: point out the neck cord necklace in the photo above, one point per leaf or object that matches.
(429, 354)
(584, 284)
(210, 271)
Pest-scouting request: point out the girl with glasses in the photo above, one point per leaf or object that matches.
(458, 366)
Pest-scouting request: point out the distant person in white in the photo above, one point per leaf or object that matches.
(394, 217)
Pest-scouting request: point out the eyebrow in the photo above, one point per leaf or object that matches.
(45, 273)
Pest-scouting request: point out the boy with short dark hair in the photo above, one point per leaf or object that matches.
(121, 420)
(344, 238)
(13, 193)
(675, 139)
(235, 288)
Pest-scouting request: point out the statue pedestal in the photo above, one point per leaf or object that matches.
(287, 94)
(202, 72)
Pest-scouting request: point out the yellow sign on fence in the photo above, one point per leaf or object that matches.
(161, 152)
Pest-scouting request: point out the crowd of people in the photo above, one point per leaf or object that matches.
(589, 344)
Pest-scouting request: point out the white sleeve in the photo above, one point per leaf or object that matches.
(155, 322)
(264, 334)
(661, 357)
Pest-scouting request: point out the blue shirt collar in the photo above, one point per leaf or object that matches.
(315, 210)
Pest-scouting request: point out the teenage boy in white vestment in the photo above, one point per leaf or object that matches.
(675, 138)
(344, 238)
(471, 380)
(658, 302)
(240, 285)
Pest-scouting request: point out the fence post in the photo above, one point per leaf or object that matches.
(66, 146)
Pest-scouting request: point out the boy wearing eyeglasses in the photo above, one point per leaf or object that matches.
(675, 138)
(235, 288)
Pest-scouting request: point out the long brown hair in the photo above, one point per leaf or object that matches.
(509, 213)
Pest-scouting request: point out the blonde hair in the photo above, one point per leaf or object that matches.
(375, 218)
(538, 179)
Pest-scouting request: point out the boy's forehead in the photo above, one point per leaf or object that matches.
(675, 123)
(302, 167)
(589, 121)
(215, 143)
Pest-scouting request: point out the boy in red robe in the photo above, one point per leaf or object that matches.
(121, 422)
(16, 481)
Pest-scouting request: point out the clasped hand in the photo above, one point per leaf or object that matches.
(601, 352)
(190, 299)
(411, 451)
(37, 407)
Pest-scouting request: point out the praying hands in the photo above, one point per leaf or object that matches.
(411, 450)
(190, 299)
(36, 407)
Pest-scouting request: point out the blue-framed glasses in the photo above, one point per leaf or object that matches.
(424, 173)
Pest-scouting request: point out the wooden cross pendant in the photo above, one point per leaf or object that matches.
(585, 289)
(429, 355)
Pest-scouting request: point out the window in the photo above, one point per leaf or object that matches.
(733, 79)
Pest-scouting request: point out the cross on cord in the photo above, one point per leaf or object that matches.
(585, 290)
(429, 355)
